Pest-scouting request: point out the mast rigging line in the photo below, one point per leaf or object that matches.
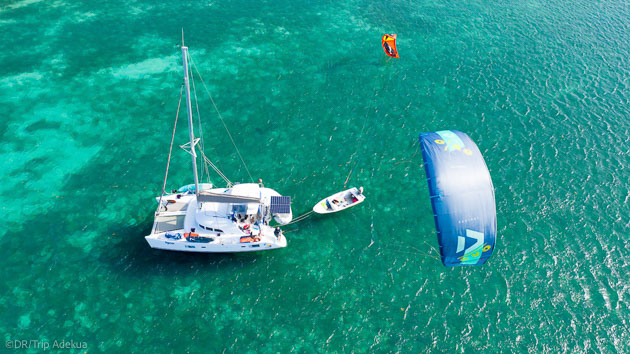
(170, 150)
(201, 141)
(220, 116)
(215, 168)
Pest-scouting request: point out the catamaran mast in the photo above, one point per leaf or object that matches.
(190, 119)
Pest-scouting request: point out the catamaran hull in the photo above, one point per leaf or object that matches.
(179, 246)
(200, 218)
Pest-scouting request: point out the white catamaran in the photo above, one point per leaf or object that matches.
(201, 218)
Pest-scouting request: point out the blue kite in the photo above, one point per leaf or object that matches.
(462, 197)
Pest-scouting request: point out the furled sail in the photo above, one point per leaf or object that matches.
(208, 197)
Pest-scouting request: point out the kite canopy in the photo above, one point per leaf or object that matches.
(462, 197)
(389, 45)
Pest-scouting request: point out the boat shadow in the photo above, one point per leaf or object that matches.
(130, 254)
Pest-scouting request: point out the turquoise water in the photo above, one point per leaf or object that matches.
(88, 94)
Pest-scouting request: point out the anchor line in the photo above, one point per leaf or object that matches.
(354, 165)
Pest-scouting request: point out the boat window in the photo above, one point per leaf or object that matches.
(210, 228)
(240, 208)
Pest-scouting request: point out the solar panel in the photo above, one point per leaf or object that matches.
(280, 205)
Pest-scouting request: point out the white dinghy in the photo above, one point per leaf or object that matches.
(340, 201)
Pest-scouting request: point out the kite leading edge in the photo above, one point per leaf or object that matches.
(389, 45)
